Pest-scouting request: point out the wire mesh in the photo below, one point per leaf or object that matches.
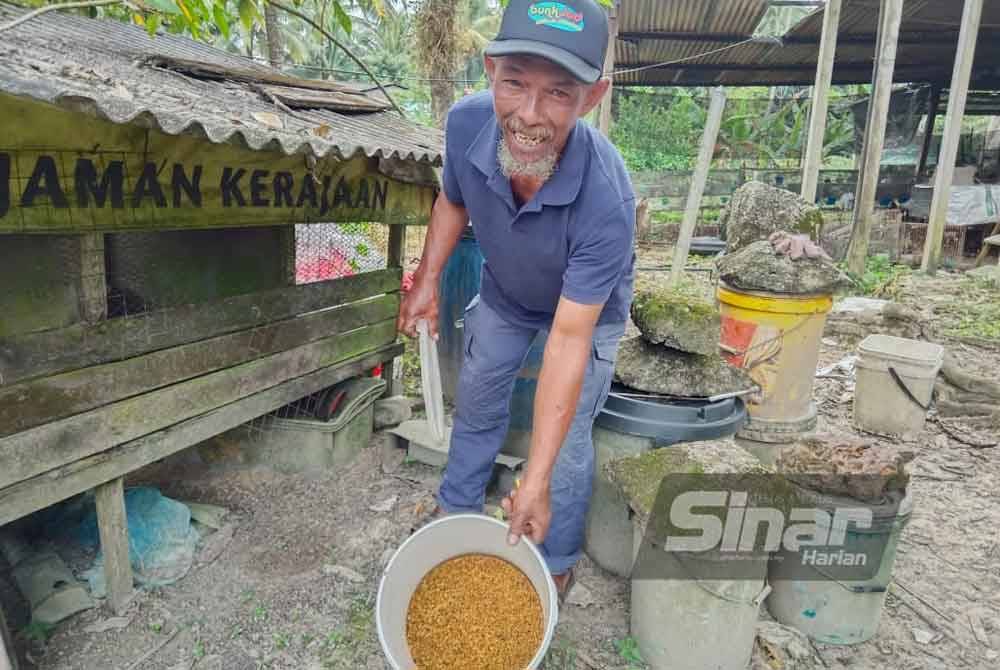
(325, 251)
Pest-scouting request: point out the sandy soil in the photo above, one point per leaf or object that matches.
(276, 595)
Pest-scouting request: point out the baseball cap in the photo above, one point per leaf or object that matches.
(573, 34)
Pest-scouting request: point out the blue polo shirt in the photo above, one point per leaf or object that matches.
(574, 239)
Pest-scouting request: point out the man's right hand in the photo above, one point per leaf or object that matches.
(421, 302)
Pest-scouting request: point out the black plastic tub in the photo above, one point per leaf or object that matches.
(669, 421)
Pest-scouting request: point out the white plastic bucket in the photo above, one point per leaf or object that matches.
(693, 623)
(895, 381)
(440, 541)
(839, 612)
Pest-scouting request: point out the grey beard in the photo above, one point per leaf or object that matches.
(510, 166)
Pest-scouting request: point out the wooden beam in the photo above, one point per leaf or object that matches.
(52, 445)
(82, 345)
(32, 403)
(396, 258)
(716, 107)
(93, 278)
(932, 115)
(821, 101)
(113, 527)
(288, 254)
(604, 111)
(878, 119)
(68, 480)
(958, 93)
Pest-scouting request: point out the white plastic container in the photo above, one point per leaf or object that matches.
(895, 382)
(440, 541)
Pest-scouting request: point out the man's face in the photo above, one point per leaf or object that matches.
(537, 105)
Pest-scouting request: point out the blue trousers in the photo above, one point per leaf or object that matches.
(494, 353)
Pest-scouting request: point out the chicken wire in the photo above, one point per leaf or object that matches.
(325, 251)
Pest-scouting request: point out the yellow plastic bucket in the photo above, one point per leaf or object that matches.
(776, 338)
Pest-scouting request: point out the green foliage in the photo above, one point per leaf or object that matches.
(880, 278)
(628, 650)
(653, 136)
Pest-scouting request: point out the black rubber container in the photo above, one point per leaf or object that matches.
(667, 421)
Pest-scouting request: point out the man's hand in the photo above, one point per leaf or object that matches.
(796, 246)
(529, 509)
(421, 302)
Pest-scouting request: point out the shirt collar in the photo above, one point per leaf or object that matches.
(561, 189)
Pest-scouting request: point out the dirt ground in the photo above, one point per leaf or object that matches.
(291, 579)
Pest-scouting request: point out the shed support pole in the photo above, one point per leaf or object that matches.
(113, 529)
(891, 17)
(821, 101)
(698, 181)
(958, 95)
(396, 253)
(604, 109)
(925, 150)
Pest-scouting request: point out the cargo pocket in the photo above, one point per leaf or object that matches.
(467, 326)
(605, 354)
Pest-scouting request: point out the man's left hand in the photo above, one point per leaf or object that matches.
(529, 509)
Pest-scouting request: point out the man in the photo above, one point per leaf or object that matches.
(553, 210)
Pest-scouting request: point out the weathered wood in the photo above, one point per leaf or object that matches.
(67, 173)
(51, 445)
(396, 258)
(604, 110)
(32, 403)
(878, 118)
(704, 164)
(821, 101)
(288, 254)
(81, 345)
(958, 95)
(113, 527)
(41, 491)
(925, 147)
(93, 282)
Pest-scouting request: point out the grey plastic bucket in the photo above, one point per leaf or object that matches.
(438, 542)
(838, 612)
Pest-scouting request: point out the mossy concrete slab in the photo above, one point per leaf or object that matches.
(653, 368)
(678, 317)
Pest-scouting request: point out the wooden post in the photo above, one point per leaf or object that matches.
(958, 95)
(878, 119)
(932, 114)
(821, 101)
(93, 281)
(288, 252)
(698, 181)
(604, 109)
(7, 650)
(113, 528)
(395, 256)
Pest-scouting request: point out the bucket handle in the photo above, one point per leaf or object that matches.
(902, 385)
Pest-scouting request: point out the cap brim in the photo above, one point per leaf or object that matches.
(575, 65)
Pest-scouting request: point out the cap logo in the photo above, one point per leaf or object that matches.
(556, 15)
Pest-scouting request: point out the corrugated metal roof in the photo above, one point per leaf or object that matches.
(115, 71)
(657, 31)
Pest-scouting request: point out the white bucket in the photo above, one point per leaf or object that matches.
(440, 541)
(692, 623)
(840, 612)
(895, 381)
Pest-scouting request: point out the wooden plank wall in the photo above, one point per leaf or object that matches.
(79, 392)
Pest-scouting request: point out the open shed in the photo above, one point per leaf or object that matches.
(952, 47)
(155, 196)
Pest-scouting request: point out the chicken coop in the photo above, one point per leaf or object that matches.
(189, 240)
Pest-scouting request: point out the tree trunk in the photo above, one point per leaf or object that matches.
(442, 98)
(275, 45)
